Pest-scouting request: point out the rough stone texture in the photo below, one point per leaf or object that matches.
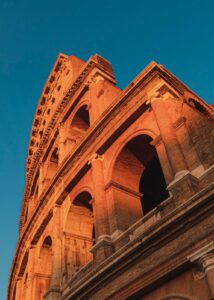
(118, 201)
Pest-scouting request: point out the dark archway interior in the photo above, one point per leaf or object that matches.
(55, 156)
(81, 119)
(47, 242)
(152, 181)
(84, 115)
(84, 199)
(152, 185)
(138, 168)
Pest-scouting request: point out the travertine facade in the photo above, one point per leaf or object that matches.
(118, 201)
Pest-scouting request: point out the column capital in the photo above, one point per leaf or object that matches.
(207, 261)
(157, 141)
(204, 257)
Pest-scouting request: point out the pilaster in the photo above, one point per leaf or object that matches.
(103, 247)
(204, 257)
(168, 135)
(31, 272)
(54, 291)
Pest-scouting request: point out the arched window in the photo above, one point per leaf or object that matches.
(79, 233)
(80, 123)
(138, 182)
(52, 165)
(152, 185)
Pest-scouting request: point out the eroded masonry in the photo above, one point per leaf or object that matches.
(118, 201)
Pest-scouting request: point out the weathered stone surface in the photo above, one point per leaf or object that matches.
(118, 202)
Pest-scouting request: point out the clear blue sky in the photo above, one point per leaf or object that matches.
(176, 33)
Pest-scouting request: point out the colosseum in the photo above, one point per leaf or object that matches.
(118, 200)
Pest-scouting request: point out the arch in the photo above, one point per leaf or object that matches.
(125, 140)
(79, 123)
(72, 196)
(79, 233)
(136, 178)
(52, 165)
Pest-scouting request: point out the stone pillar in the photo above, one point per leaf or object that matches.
(54, 291)
(31, 272)
(103, 247)
(43, 179)
(184, 184)
(31, 205)
(188, 149)
(62, 140)
(207, 263)
(162, 155)
(205, 258)
(168, 135)
(18, 295)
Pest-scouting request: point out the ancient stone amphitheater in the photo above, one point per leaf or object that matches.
(118, 201)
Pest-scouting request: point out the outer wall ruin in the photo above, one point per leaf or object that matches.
(118, 201)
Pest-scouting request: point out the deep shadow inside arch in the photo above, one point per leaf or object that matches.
(137, 171)
(79, 233)
(79, 124)
(81, 119)
(152, 182)
(84, 200)
(152, 185)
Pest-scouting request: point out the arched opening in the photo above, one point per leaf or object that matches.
(138, 184)
(80, 124)
(45, 268)
(79, 233)
(52, 165)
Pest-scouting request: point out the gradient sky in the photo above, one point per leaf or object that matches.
(176, 33)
